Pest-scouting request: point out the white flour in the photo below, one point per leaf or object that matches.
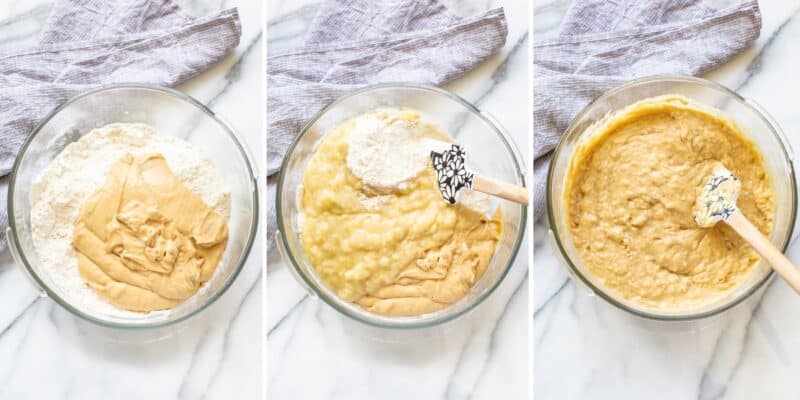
(81, 169)
(386, 152)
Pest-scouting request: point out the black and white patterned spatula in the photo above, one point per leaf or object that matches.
(453, 177)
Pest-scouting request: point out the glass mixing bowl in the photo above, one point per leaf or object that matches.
(170, 113)
(750, 117)
(490, 151)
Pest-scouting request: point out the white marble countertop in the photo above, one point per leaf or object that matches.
(587, 349)
(316, 353)
(47, 353)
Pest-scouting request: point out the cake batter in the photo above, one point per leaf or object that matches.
(144, 241)
(630, 193)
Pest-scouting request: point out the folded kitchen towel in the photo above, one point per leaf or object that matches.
(86, 43)
(352, 43)
(602, 44)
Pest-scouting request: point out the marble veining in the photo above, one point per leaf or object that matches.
(47, 353)
(587, 349)
(316, 353)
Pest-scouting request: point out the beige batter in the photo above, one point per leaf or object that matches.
(631, 189)
(144, 241)
(399, 252)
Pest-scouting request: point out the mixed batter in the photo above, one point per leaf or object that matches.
(374, 224)
(631, 189)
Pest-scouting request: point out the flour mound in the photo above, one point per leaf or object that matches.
(386, 152)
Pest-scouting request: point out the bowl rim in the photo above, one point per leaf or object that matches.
(774, 128)
(136, 325)
(377, 320)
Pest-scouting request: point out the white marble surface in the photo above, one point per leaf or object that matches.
(586, 349)
(315, 353)
(47, 353)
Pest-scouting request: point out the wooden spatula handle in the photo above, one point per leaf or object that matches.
(505, 190)
(766, 249)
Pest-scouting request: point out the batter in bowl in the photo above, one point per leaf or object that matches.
(375, 227)
(630, 192)
(144, 241)
(127, 221)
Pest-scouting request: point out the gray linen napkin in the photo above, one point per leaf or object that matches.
(352, 43)
(602, 44)
(86, 43)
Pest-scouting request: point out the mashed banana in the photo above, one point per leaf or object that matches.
(407, 252)
(630, 193)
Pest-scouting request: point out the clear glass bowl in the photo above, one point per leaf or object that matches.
(170, 113)
(493, 153)
(751, 118)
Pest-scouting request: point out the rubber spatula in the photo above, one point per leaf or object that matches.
(453, 175)
(717, 202)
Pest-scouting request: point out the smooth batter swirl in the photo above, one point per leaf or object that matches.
(144, 241)
(631, 188)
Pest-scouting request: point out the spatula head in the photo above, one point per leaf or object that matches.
(451, 172)
(717, 201)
